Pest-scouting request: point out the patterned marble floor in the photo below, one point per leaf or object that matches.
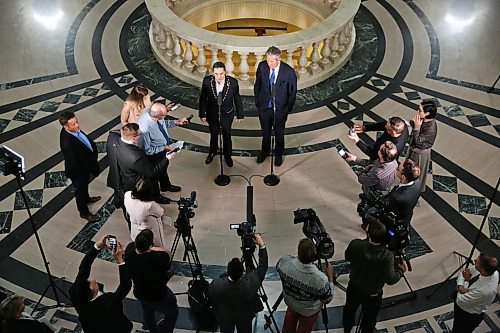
(86, 60)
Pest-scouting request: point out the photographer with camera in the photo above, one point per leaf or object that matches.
(378, 177)
(100, 311)
(403, 198)
(235, 295)
(305, 287)
(372, 266)
(394, 130)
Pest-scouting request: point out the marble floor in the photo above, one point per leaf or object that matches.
(85, 55)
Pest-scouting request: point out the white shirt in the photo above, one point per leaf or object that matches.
(219, 86)
(481, 293)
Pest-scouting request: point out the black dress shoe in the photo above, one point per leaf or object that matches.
(90, 217)
(209, 159)
(229, 161)
(171, 188)
(278, 161)
(261, 158)
(94, 199)
(163, 200)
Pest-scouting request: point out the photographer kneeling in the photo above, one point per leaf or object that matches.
(372, 266)
(234, 294)
(305, 287)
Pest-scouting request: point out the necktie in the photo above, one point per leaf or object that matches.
(271, 82)
(162, 130)
(80, 136)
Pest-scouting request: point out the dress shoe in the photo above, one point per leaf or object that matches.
(278, 161)
(171, 188)
(163, 200)
(261, 158)
(209, 159)
(89, 217)
(94, 199)
(229, 161)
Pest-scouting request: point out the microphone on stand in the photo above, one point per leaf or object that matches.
(272, 179)
(219, 99)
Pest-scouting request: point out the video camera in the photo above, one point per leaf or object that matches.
(397, 233)
(186, 213)
(245, 230)
(11, 163)
(315, 231)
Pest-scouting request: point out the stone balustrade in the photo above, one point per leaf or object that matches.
(316, 53)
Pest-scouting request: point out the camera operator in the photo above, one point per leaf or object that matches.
(477, 288)
(99, 311)
(378, 178)
(372, 266)
(403, 198)
(305, 287)
(395, 130)
(234, 294)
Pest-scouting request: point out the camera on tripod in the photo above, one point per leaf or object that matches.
(397, 233)
(245, 230)
(186, 206)
(315, 231)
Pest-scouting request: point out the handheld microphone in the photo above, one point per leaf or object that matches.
(219, 99)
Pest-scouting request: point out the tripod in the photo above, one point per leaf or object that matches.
(250, 262)
(272, 179)
(52, 282)
(222, 179)
(474, 245)
(400, 255)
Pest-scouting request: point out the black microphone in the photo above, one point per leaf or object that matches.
(219, 99)
(273, 90)
(193, 196)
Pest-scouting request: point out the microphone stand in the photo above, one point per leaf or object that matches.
(222, 179)
(272, 179)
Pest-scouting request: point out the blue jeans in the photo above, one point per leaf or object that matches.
(167, 306)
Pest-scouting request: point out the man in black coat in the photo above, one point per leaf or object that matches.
(402, 199)
(394, 130)
(133, 164)
(99, 311)
(271, 72)
(234, 294)
(80, 162)
(227, 88)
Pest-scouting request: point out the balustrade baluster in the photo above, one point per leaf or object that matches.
(244, 68)
(201, 60)
(188, 56)
(229, 62)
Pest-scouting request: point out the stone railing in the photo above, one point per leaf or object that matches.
(189, 52)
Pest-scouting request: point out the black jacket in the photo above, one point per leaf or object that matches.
(285, 85)
(402, 200)
(104, 314)
(231, 99)
(134, 165)
(114, 180)
(372, 151)
(78, 159)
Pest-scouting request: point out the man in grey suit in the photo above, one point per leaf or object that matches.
(234, 294)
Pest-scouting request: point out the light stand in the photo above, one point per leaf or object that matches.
(272, 179)
(474, 245)
(222, 179)
(13, 164)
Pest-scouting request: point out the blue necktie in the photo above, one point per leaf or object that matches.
(80, 136)
(271, 82)
(162, 130)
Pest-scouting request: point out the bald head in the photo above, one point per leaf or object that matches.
(157, 110)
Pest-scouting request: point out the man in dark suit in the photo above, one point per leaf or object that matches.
(282, 76)
(229, 91)
(99, 311)
(234, 294)
(80, 162)
(394, 130)
(402, 199)
(133, 164)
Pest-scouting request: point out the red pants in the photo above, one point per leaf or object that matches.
(297, 323)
